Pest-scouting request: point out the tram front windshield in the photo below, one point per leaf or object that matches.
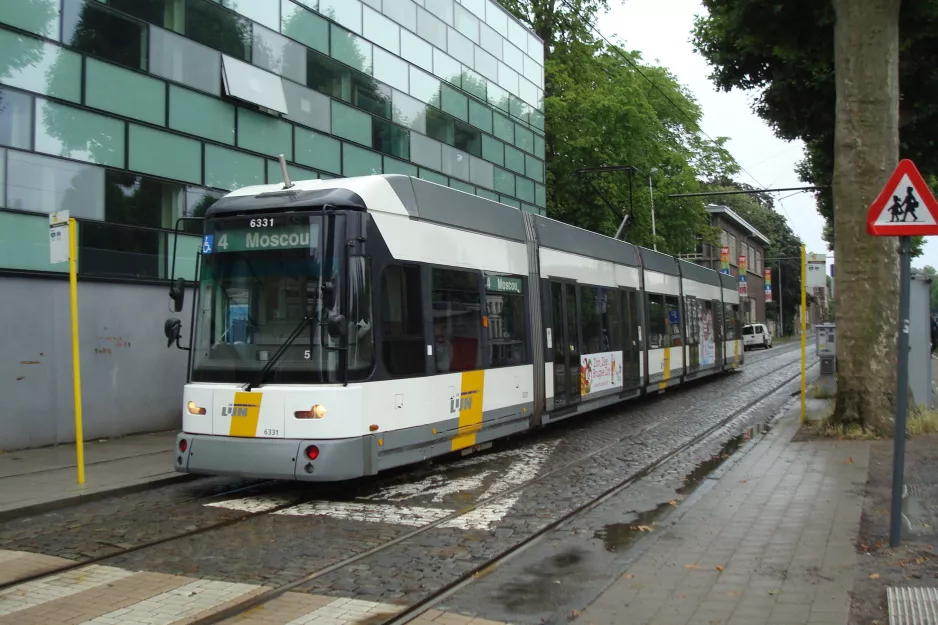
(260, 278)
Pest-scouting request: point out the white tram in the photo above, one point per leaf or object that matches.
(348, 326)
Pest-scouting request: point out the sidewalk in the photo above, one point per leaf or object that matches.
(772, 542)
(38, 480)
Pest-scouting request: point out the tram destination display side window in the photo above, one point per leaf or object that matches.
(673, 307)
(457, 320)
(504, 303)
(402, 320)
(657, 322)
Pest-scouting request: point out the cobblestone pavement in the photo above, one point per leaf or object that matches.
(275, 549)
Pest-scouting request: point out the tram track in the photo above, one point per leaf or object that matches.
(414, 610)
(322, 493)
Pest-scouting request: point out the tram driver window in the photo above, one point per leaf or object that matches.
(673, 307)
(506, 329)
(457, 320)
(402, 321)
(657, 322)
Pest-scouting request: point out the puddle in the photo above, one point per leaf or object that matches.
(617, 537)
(536, 586)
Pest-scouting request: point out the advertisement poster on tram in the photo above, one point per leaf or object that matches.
(707, 344)
(600, 372)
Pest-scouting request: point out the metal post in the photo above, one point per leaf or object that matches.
(654, 237)
(781, 315)
(902, 392)
(76, 354)
(804, 338)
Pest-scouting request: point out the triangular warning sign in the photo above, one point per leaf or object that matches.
(905, 207)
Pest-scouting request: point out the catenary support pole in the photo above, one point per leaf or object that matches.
(804, 338)
(76, 355)
(902, 392)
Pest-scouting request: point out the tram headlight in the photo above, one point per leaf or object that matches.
(316, 412)
(194, 408)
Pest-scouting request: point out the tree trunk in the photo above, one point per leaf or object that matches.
(866, 151)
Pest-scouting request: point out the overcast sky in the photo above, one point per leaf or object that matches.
(661, 30)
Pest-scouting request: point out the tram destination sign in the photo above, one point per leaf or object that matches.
(503, 284)
(261, 239)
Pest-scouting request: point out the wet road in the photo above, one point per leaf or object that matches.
(331, 523)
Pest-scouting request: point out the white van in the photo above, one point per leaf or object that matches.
(756, 334)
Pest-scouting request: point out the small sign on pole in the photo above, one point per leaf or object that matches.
(743, 286)
(58, 237)
(904, 208)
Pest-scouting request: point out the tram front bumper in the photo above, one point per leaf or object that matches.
(273, 458)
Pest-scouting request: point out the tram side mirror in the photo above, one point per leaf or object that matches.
(337, 326)
(177, 293)
(173, 330)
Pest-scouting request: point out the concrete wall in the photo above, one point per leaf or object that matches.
(130, 381)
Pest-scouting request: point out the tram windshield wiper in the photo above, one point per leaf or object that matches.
(262, 376)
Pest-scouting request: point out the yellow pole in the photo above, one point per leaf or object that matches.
(804, 321)
(76, 360)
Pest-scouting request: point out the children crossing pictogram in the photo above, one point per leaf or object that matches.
(898, 209)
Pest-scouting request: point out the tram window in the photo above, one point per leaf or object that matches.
(360, 336)
(673, 307)
(657, 322)
(457, 320)
(612, 322)
(506, 328)
(731, 321)
(590, 320)
(402, 320)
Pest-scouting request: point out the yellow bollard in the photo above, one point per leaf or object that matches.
(76, 359)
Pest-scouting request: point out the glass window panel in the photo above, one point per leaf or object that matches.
(404, 12)
(424, 87)
(251, 84)
(462, 186)
(16, 122)
(535, 47)
(467, 139)
(511, 55)
(391, 139)
(37, 66)
(524, 138)
(431, 29)
(455, 103)
(496, 18)
(307, 107)
(474, 83)
(476, 6)
(446, 67)
(497, 97)
(425, 151)
(394, 166)
(504, 128)
(198, 200)
(517, 35)
(177, 58)
(350, 49)
(410, 112)
(481, 172)
(118, 90)
(480, 115)
(442, 9)
(486, 194)
(432, 176)
(537, 117)
(371, 95)
(328, 76)
(91, 28)
(261, 11)
(391, 70)
(351, 124)
(528, 92)
(402, 313)
(466, 23)
(114, 250)
(345, 12)
(381, 31)
(440, 127)
(46, 185)
(169, 14)
(213, 26)
(533, 71)
(457, 323)
(504, 181)
(374, 4)
(490, 41)
(304, 26)
(417, 51)
(514, 159)
(530, 208)
(357, 161)
(318, 150)
(540, 195)
(36, 16)
(461, 48)
(486, 64)
(508, 78)
(525, 189)
(135, 200)
(164, 154)
(533, 168)
(229, 169)
(455, 163)
(517, 108)
(493, 150)
(24, 243)
(510, 201)
(275, 175)
(65, 131)
(279, 55)
(539, 146)
(264, 134)
(201, 115)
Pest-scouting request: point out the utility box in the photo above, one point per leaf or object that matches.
(825, 342)
(920, 381)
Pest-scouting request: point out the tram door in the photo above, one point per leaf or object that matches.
(718, 332)
(631, 340)
(566, 353)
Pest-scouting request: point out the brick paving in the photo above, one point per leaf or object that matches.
(773, 542)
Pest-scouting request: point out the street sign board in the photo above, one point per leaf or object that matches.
(816, 269)
(58, 237)
(905, 207)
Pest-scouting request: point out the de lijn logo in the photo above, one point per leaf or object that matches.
(237, 410)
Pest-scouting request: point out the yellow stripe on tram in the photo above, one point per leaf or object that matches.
(245, 413)
(667, 369)
(470, 409)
